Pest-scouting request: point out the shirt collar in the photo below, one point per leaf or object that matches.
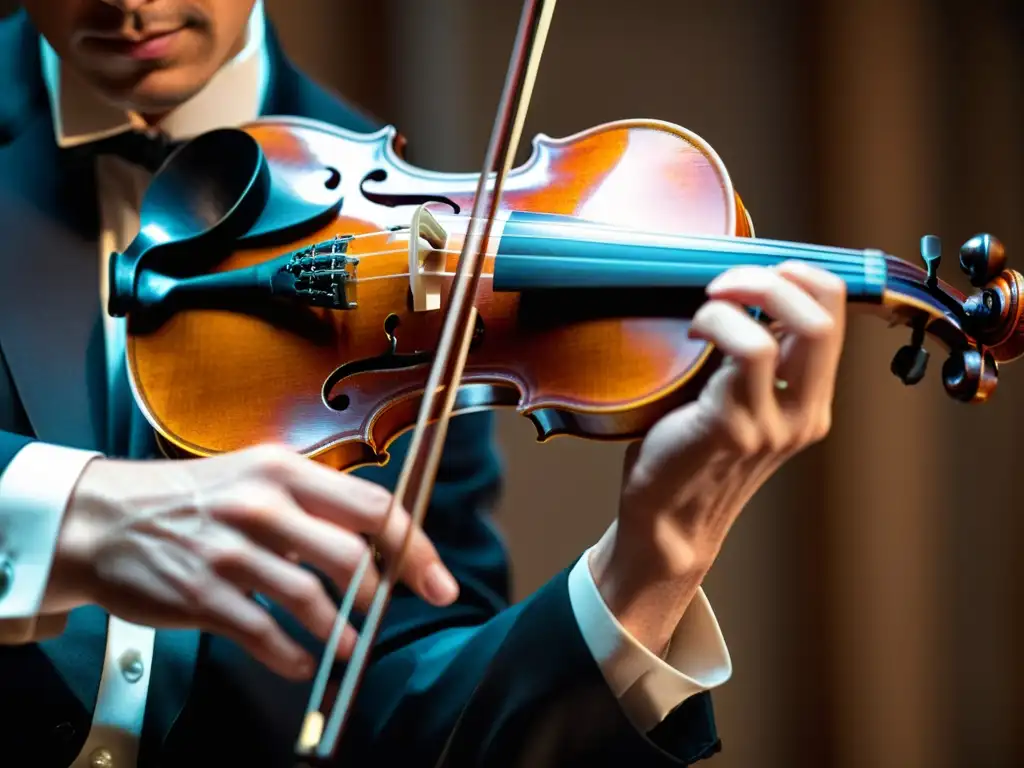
(233, 96)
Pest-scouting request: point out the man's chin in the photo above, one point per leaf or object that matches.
(155, 92)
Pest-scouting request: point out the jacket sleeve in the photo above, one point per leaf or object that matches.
(520, 689)
(483, 682)
(36, 480)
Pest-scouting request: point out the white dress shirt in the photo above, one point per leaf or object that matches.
(37, 483)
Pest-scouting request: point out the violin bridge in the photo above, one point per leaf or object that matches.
(427, 240)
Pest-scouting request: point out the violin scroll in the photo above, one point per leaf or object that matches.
(994, 316)
(990, 322)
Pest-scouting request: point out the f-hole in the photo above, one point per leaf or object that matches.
(395, 200)
(389, 361)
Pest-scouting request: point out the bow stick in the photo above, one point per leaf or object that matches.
(445, 374)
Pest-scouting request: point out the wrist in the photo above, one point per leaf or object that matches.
(647, 588)
(72, 574)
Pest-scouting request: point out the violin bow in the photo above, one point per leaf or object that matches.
(445, 374)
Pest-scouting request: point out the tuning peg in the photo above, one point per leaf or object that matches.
(909, 364)
(982, 258)
(931, 255)
(970, 375)
(911, 361)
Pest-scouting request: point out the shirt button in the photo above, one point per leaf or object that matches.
(101, 758)
(63, 731)
(132, 666)
(6, 576)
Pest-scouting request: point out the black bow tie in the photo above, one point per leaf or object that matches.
(141, 149)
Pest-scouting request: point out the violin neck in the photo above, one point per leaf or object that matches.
(540, 252)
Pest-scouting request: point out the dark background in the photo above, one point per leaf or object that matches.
(872, 595)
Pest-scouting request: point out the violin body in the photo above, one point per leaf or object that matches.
(212, 381)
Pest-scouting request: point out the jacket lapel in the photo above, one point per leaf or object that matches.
(50, 328)
(51, 336)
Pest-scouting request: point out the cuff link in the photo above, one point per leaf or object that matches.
(101, 758)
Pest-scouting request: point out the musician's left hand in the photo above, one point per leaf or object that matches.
(686, 483)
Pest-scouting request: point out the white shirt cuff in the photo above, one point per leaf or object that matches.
(649, 688)
(34, 492)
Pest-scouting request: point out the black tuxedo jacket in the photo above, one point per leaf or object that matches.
(502, 685)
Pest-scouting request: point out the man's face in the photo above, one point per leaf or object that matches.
(145, 55)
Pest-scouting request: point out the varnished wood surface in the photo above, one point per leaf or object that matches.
(214, 381)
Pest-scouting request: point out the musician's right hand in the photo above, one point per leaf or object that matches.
(188, 543)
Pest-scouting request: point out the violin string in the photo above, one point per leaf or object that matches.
(854, 264)
(740, 246)
(853, 272)
(740, 243)
(811, 257)
(571, 223)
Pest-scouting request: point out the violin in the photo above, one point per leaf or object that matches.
(594, 269)
(298, 283)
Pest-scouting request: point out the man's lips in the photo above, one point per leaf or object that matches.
(154, 45)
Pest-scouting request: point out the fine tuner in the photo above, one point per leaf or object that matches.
(991, 317)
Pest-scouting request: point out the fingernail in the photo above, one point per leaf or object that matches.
(439, 585)
(725, 278)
